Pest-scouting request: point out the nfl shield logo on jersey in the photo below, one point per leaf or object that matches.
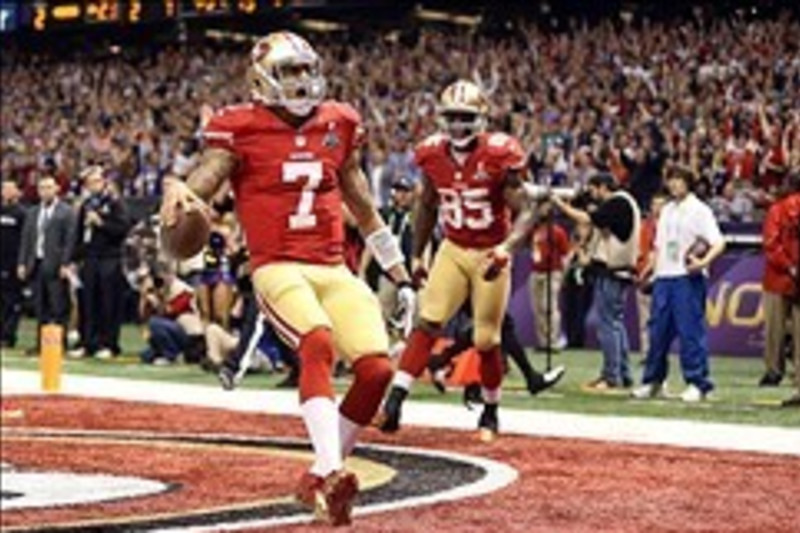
(331, 139)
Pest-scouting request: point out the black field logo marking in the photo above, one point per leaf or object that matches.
(418, 476)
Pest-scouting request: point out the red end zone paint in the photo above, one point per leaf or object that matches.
(564, 485)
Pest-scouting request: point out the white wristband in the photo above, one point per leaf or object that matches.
(384, 248)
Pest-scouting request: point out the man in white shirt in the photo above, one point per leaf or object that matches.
(688, 240)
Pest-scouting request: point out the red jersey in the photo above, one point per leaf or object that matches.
(471, 202)
(782, 245)
(286, 184)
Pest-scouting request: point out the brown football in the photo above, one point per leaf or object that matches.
(698, 249)
(188, 236)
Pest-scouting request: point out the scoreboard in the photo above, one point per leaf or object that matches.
(42, 15)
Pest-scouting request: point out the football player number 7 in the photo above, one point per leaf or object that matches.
(311, 172)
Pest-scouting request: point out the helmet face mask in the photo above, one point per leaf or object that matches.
(286, 72)
(462, 126)
(462, 113)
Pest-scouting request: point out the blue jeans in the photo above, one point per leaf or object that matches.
(609, 299)
(678, 308)
(167, 339)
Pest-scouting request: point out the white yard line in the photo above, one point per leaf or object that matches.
(637, 430)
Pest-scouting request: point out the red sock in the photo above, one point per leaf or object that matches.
(316, 360)
(491, 368)
(417, 352)
(372, 374)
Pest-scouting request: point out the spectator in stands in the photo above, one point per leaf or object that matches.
(781, 241)
(617, 219)
(688, 240)
(45, 255)
(103, 224)
(549, 248)
(12, 220)
(734, 204)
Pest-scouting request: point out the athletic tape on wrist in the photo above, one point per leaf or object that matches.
(384, 248)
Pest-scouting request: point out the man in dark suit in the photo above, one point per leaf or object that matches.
(45, 255)
(12, 219)
(102, 227)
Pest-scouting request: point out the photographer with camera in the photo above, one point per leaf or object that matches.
(613, 260)
(103, 224)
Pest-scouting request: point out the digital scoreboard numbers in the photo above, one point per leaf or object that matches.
(43, 15)
(221, 7)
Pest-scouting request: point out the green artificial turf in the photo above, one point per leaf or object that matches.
(737, 398)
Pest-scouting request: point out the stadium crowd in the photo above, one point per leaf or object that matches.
(722, 98)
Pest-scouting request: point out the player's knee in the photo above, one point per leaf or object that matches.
(316, 347)
(372, 375)
(486, 338)
(316, 361)
(374, 370)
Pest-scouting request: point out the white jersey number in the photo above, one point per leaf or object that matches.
(470, 207)
(294, 171)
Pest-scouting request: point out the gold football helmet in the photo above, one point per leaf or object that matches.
(462, 112)
(286, 71)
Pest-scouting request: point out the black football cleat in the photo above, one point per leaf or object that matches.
(488, 423)
(542, 382)
(389, 421)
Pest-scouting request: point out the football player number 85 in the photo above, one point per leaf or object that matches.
(311, 171)
(470, 208)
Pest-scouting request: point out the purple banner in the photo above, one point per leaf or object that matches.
(734, 310)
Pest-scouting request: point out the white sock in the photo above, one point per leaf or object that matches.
(490, 395)
(348, 434)
(403, 379)
(322, 423)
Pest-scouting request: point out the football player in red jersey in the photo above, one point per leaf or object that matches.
(291, 158)
(472, 180)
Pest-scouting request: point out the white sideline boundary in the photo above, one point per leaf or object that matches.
(633, 430)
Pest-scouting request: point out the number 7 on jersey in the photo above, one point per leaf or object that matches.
(294, 171)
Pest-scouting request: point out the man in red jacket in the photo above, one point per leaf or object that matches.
(781, 290)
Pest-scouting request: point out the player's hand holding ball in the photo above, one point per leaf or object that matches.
(185, 224)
